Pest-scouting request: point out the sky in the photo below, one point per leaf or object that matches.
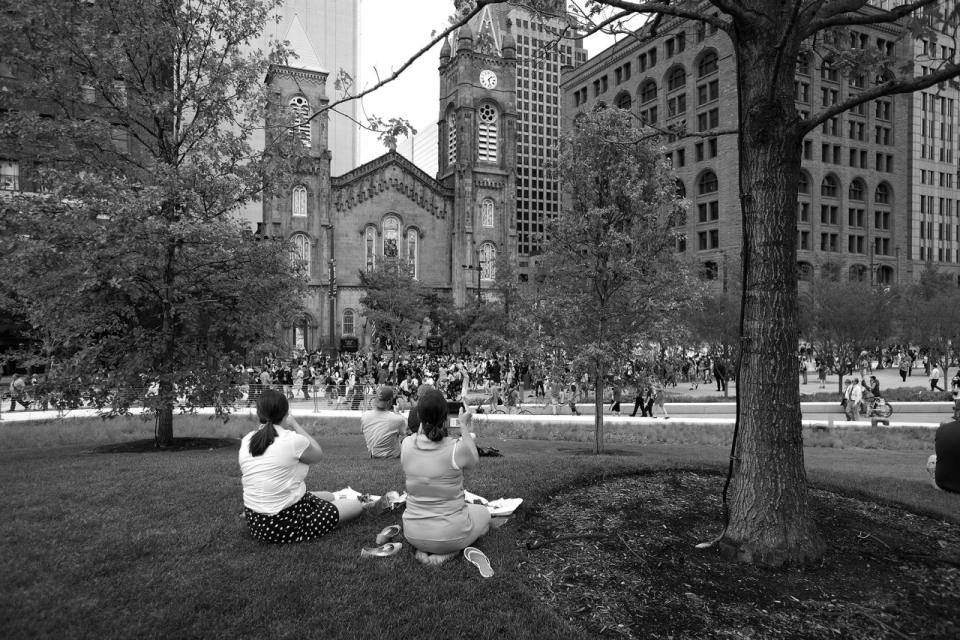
(391, 31)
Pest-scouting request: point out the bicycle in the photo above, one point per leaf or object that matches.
(877, 407)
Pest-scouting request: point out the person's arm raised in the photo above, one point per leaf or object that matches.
(313, 453)
(466, 455)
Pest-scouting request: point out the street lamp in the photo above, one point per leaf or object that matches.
(475, 267)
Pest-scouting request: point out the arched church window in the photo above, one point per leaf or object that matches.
(299, 201)
(451, 138)
(301, 249)
(391, 238)
(486, 213)
(349, 322)
(369, 250)
(413, 238)
(301, 119)
(487, 133)
(488, 261)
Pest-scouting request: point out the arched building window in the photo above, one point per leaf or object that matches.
(676, 78)
(707, 64)
(301, 249)
(707, 183)
(299, 201)
(829, 187)
(857, 190)
(391, 238)
(486, 213)
(882, 195)
(369, 248)
(349, 322)
(885, 275)
(413, 248)
(301, 119)
(451, 138)
(648, 91)
(487, 133)
(488, 261)
(623, 101)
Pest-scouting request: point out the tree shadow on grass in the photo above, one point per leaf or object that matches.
(177, 444)
(620, 554)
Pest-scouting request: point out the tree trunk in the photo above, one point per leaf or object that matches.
(598, 411)
(165, 425)
(769, 515)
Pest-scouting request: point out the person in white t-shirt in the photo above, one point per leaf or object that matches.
(274, 461)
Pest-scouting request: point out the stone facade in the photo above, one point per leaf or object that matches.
(450, 228)
(855, 208)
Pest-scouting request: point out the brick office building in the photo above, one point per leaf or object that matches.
(858, 206)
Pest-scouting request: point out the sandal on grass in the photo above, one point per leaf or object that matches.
(479, 559)
(383, 551)
(388, 534)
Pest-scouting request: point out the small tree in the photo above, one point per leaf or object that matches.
(833, 309)
(393, 301)
(144, 144)
(612, 272)
(927, 314)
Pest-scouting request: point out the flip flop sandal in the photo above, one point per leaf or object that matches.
(383, 551)
(479, 559)
(388, 534)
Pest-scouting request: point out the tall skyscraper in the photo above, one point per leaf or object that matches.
(541, 55)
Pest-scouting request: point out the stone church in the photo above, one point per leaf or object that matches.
(449, 228)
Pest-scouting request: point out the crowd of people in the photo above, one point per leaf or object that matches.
(350, 381)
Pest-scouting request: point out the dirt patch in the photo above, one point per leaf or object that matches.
(620, 559)
(177, 444)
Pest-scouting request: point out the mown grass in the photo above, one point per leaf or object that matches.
(151, 545)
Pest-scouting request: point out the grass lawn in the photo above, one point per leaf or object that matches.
(152, 544)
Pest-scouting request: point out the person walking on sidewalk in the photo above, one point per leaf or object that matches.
(658, 400)
(904, 366)
(720, 373)
(615, 405)
(935, 378)
(18, 392)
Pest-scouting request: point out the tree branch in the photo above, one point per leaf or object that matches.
(659, 8)
(416, 56)
(893, 87)
(840, 13)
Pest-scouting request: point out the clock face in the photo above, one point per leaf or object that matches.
(488, 79)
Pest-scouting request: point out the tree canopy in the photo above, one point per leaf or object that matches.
(136, 122)
(608, 273)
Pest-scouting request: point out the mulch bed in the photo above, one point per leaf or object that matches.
(619, 560)
(177, 444)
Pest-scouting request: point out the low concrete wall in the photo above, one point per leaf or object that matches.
(806, 408)
(72, 430)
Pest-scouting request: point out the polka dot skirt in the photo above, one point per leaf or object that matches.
(308, 519)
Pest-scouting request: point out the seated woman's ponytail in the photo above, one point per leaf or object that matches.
(435, 432)
(272, 408)
(432, 409)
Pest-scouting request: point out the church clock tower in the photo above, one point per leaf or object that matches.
(477, 149)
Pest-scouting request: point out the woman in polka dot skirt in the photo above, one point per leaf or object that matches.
(274, 461)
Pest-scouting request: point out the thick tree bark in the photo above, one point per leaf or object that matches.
(165, 424)
(598, 411)
(769, 514)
